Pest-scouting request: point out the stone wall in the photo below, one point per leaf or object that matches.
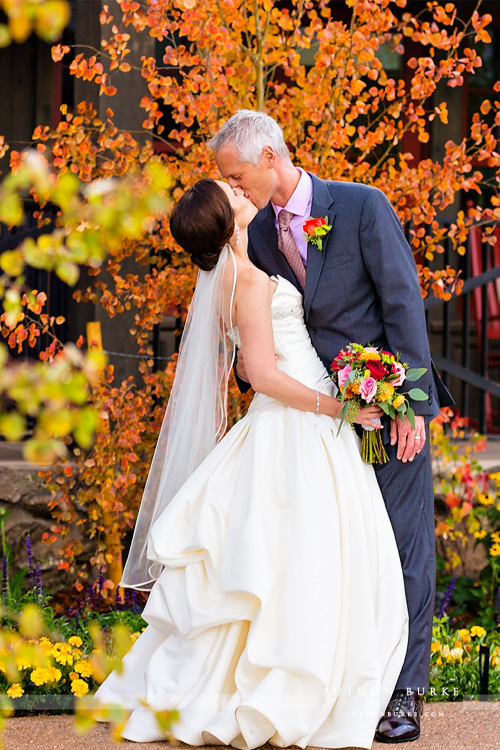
(24, 494)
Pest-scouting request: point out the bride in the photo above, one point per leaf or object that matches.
(277, 610)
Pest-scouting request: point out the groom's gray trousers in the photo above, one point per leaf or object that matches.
(409, 499)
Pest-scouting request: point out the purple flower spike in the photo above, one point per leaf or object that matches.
(136, 607)
(447, 596)
(5, 579)
(31, 567)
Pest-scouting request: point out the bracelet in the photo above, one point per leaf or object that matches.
(317, 403)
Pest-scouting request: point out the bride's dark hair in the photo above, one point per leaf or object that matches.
(202, 222)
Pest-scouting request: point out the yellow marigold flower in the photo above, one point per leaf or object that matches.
(354, 387)
(39, 676)
(15, 690)
(495, 536)
(53, 674)
(365, 356)
(439, 661)
(384, 391)
(456, 654)
(435, 647)
(398, 401)
(495, 550)
(84, 669)
(62, 658)
(23, 663)
(477, 630)
(63, 647)
(464, 634)
(457, 644)
(480, 534)
(486, 499)
(79, 688)
(75, 640)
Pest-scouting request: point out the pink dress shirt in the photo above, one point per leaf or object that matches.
(300, 205)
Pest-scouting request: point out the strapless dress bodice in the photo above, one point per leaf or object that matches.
(292, 344)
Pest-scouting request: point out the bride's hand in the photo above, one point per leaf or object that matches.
(366, 416)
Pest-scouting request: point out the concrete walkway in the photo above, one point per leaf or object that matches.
(445, 726)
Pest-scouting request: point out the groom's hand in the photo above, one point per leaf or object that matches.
(410, 441)
(240, 367)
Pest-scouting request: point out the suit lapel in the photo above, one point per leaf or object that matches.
(321, 206)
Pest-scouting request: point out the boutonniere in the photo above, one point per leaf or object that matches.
(315, 230)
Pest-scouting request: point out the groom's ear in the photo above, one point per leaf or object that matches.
(268, 157)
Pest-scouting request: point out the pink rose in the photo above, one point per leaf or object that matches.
(368, 389)
(399, 370)
(344, 374)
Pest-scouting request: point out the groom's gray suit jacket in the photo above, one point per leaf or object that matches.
(362, 286)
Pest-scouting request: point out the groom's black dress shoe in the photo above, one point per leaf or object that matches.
(401, 720)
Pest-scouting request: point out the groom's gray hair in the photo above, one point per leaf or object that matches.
(250, 132)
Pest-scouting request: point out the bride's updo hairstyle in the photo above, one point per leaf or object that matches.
(202, 222)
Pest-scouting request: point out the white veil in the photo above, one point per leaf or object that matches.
(196, 415)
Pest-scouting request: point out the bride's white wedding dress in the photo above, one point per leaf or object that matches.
(280, 614)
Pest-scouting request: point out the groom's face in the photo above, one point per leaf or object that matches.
(258, 181)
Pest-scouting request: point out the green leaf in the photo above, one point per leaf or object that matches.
(343, 413)
(417, 394)
(68, 272)
(415, 373)
(411, 416)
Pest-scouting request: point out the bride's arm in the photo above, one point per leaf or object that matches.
(253, 314)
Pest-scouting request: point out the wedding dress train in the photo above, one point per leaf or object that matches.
(280, 614)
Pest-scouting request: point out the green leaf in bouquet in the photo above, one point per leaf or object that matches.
(343, 413)
(417, 394)
(411, 416)
(415, 373)
(385, 407)
(348, 381)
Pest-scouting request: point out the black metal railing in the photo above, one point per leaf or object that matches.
(461, 344)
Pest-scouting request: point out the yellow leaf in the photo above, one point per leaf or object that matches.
(12, 262)
(30, 621)
(12, 426)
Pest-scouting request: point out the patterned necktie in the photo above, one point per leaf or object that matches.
(288, 246)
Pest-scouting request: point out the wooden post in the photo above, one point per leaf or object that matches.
(112, 536)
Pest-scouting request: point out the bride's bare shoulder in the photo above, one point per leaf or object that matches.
(252, 278)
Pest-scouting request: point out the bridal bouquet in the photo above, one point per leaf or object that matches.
(366, 375)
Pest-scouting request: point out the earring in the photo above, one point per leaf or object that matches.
(237, 233)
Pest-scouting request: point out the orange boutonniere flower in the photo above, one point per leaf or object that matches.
(315, 230)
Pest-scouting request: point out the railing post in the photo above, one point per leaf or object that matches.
(484, 339)
(466, 333)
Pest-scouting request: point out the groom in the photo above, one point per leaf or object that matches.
(361, 287)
